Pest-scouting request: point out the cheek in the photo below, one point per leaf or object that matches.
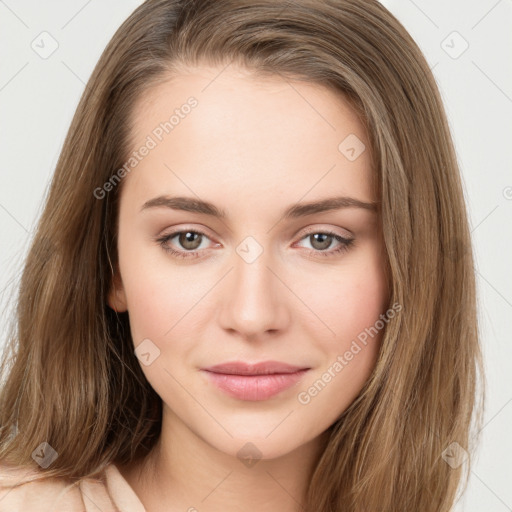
(351, 299)
(161, 299)
(158, 293)
(352, 305)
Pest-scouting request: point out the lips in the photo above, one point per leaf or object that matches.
(254, 381)
(262, 368)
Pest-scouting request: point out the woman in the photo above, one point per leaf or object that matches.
(252, 284)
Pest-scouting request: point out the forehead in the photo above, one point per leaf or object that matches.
(251, 132)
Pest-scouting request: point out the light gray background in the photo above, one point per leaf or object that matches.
(38, 98)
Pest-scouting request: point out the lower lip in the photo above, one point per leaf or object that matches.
(255, 387)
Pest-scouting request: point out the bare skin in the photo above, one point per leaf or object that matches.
(252, 147)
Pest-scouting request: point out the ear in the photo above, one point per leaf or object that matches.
(116, 295)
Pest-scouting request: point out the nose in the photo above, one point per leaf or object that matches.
(254, 301)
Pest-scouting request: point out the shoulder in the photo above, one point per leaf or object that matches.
(24, 489)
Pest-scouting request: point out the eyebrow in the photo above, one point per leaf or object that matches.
(294, 211)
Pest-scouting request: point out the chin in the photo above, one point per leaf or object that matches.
(258, 442)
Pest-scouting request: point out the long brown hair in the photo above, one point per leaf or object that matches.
(71, 377)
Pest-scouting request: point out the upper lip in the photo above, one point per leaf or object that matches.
(260, 368)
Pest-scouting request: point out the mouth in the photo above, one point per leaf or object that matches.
(254, 381)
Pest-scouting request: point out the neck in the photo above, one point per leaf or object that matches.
(185, 473)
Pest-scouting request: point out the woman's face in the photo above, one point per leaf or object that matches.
(273, 279)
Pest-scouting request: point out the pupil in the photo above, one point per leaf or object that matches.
(324, 240)
(187, 240)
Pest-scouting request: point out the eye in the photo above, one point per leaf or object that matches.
(189, 239)
(321, 241)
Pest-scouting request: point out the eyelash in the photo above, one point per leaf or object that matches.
(345, 244)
